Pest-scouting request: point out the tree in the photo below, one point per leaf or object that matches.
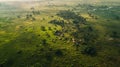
(67, 15)
(58, 52)
(89, 50)
(57, 33)
(43, 28)
(33, 19)
(57, 22)
(44, 41)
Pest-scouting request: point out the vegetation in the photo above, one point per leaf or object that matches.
(70, 35)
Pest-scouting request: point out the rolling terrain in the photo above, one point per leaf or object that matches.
(60, 33)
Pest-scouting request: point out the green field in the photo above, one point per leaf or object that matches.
(60, 33)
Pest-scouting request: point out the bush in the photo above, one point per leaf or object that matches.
(44, 41)
(89, 51)
(58, 52)
(57, 33)
(49, 28)
(43, 28)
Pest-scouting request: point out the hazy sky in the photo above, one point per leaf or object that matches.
(19, 0)
(66, 0)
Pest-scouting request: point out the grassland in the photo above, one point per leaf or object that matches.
(59, 34)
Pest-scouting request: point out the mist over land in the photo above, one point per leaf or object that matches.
(59, 33)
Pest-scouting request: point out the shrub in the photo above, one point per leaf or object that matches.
(89, 51)
(58, 52)
(44, 41)
(43, 28)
